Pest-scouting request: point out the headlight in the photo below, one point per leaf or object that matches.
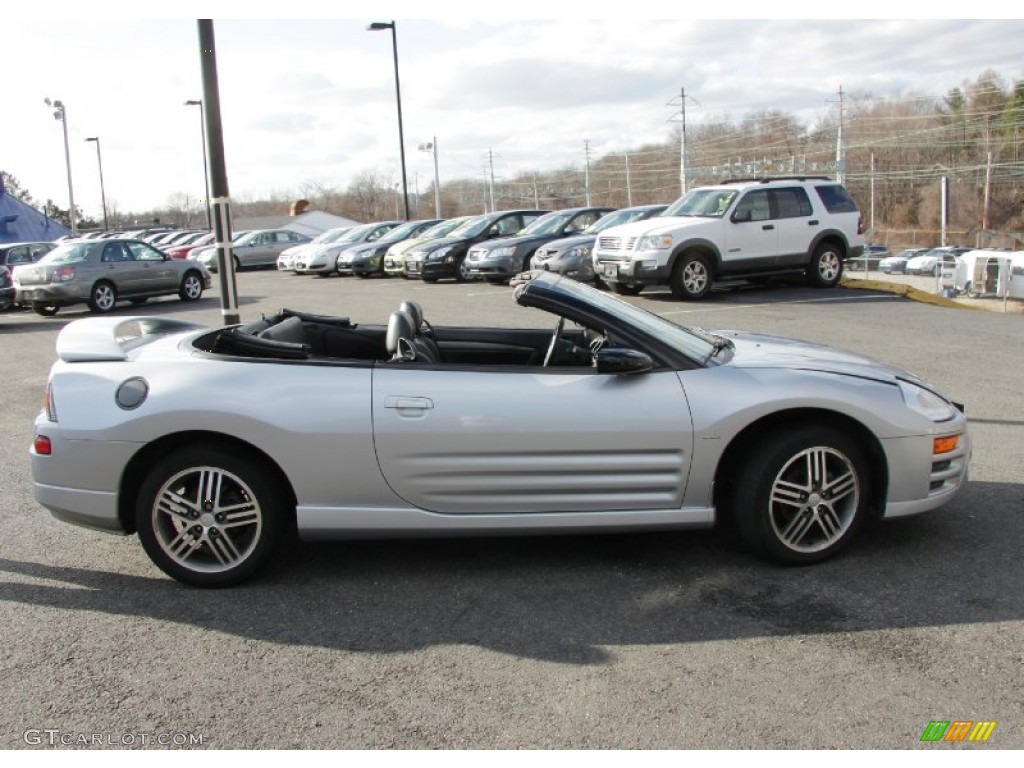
(439, 254)
(654, 243)
(499, 253)
(925, 402)
(579, 252)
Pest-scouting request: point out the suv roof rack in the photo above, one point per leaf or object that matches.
(766, 179)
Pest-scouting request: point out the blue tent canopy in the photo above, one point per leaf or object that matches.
(21, 223)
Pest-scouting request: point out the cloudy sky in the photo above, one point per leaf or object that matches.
(312, 100)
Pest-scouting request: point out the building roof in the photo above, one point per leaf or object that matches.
(20, 222)
(310, 223)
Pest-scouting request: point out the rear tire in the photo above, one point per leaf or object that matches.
(103, 297)
(627, 289)
(826, 267)
(209, 517)
(46, 310)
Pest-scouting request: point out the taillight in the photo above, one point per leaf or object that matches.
(64, 274)
(48, 403)
(860, 225)
(42, 445)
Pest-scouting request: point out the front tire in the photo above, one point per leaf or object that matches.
(103, 297)
(826, 267)
(802, 495)
(627, 289)
(691, 277)
(191, 287)
(209, 517)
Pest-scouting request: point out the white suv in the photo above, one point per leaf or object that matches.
(739, 229)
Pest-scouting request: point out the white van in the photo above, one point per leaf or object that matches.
(1016, 283)
(978, 272)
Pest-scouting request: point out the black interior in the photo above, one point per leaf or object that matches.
(291, 335)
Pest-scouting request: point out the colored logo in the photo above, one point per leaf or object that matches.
(958, 730)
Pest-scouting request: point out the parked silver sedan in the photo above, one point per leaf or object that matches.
(259, 248)
(614, 419)
(102, 272)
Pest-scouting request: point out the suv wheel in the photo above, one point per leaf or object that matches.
(826, 266)
(691, 277)
(627, 289)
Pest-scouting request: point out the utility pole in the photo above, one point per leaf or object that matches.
(218, 174)
(629, 186)
(872, 192)
(682, 141)
(682, 144)
(490, 158)
(840, 149)
(586, 176)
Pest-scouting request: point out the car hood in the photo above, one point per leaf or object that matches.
(761, 350)
(565, 243)
(517, 241)
(360, 249)
(655, 226)
(440, 243)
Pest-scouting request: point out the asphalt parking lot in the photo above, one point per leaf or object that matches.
(643, 641)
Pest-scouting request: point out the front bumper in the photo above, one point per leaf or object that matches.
(432, 270)
(305, 268)
(638, 271)
(911, 493)
(486, 266)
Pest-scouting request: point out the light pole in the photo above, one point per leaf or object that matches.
(376, 27)
(60, 113)
(431, 147)
(103, 194)
(206, 170)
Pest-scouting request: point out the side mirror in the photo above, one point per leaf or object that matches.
(741, 215)
(622, 360)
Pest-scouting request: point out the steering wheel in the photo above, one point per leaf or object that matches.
(555, 338)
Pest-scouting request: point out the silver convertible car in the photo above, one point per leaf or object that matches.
(615, 419)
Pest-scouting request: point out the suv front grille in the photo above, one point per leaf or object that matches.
(616, 243)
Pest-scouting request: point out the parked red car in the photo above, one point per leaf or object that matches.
(182, 251)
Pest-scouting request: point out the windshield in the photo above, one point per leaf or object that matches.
(613, 219)
(708, 202)
(471, 228)
(400, 233)
(692, 342)
(67, 254)
(331, 235)
(442, 229)
(548, 224)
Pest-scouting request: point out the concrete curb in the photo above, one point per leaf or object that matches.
(916, 294)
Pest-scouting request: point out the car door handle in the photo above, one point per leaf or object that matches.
(812, 223)
(768, 226)
(402, 403)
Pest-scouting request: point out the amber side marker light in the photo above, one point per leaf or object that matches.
(945, 444)
(42, 446)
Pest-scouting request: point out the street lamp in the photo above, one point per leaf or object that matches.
(431, 147)
(206, 171)
(60, 113)
(103, 194)
(376, 27)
